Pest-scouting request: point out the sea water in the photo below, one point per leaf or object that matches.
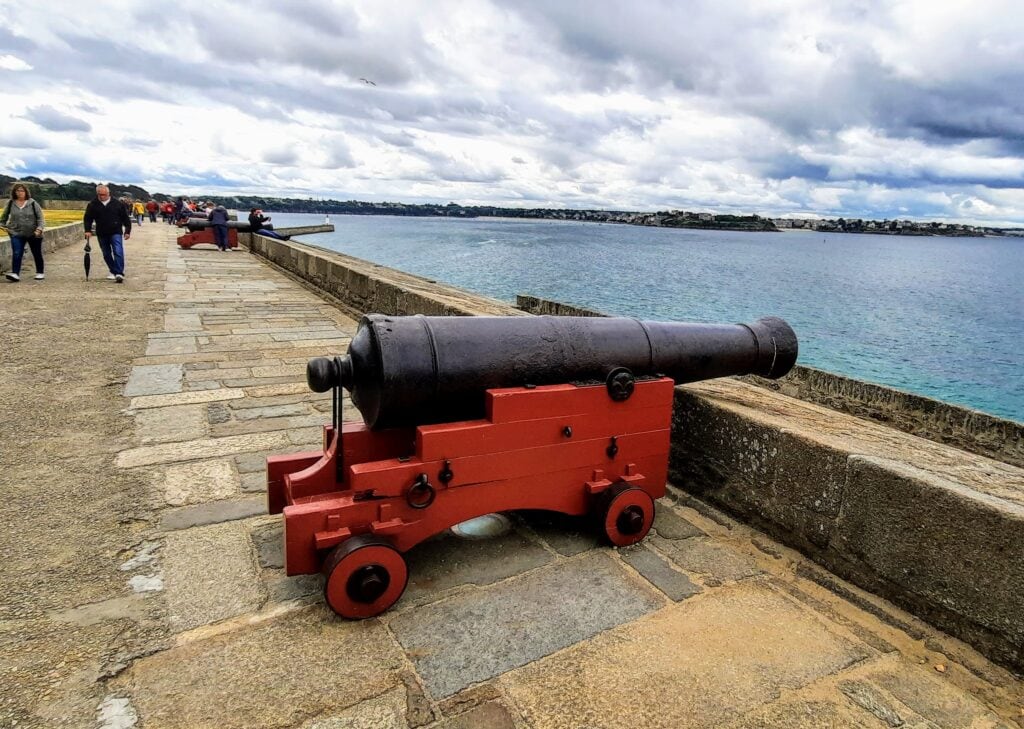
(936, 316)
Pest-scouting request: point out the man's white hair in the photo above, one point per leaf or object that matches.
(102, 187)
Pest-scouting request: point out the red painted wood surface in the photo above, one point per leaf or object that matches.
(205, 235)
(539, 448)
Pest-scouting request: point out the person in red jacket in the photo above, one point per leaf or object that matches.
(151, 208)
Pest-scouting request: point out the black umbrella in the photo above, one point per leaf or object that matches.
(87, 263)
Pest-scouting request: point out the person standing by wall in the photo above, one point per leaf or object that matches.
(113, 227)
(24, 219)
(219, 222)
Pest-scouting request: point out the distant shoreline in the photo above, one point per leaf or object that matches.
(49, 190)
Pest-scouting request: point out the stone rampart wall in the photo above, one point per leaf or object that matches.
(53, 238)
(65, 204)
(361, 287)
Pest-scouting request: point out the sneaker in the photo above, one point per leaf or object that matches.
(111, 277)
(40, 276)
(13, 277)
(119, 278)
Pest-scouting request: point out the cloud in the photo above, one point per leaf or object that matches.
(20, 136)
(13, 63)
(861, 106)
(285, 156)
(56, 121)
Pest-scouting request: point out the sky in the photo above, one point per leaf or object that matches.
(793, 108)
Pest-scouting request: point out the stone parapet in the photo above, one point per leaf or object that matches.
(935, 420)
(64, 204)
(362, 287)
(937, 530)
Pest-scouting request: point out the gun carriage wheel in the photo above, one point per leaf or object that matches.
(626, 515)
(365, 576)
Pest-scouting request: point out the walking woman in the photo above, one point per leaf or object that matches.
(23, 218)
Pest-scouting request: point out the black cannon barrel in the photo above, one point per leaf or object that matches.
(415, 370)
(194, 224)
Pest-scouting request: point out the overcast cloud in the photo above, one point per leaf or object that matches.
(866, 108)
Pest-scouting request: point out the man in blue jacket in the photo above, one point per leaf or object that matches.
(112, 222)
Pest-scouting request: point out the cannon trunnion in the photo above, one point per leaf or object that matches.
(464, 416)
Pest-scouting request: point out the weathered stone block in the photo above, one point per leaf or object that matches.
(956, 553)
(659, 573)
(170, 424)
(447, 562)
(195, 483)
(710, 559)
(154, 380)
(700, 663)
(213, 512)
(265, 677)
(567, 535)
(208, 575)
(476, 636)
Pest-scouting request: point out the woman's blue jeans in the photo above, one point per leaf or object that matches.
(18, 251)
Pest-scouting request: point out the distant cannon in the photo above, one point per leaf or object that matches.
(194, 224)
(464, 416)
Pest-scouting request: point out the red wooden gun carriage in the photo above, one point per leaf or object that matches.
(465, 416)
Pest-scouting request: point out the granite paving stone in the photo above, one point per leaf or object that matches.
(700, 663)
(202, 449)
(272, 411)
(154, 380)
(279, 674)
(208, 575)
(218, 374)
(475, 636)
(810, 714)
(195, 483)
(183, 398)
(491, 715)
(170, 424)
(213, 512)
(659, 573)
(932, 697)
(282, 588)
(172, 345)
(567, 535)
(669, 525)
(448, 561)
(268, 541)
(708, 558)
(255, 481)
(386, 711)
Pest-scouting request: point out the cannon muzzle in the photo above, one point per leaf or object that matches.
(415, 370)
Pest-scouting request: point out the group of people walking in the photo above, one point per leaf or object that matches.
(23, 219)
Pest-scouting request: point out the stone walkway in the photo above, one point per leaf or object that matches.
(705, 624)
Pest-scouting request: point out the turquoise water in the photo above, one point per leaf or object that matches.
(942, 317)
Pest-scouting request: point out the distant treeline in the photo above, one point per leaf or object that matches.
(48, 189)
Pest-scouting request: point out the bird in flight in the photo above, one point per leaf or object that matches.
(367, 81)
